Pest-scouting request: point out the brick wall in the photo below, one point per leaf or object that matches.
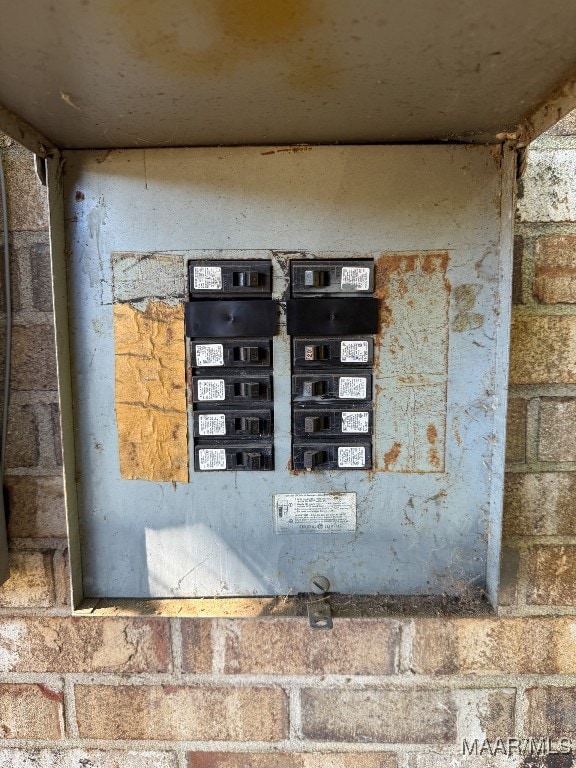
(373, 693)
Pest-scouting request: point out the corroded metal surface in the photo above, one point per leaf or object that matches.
(431, 219)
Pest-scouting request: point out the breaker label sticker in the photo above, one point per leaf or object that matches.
(211, 424)
(211, 458)
(357, 278)
(351, 456)
(207, 278)
(355, 421)
(211, 389)
(209, 354)
(314, 512)
(352, 388)
(354, 351)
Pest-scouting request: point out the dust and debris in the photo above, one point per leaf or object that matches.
(464, 300)
(67, 99)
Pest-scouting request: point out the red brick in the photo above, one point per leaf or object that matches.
(30, 584)
(182, 713)
(84, 645)
(30, 712)
(543, 350)
(33, 358)
(557, 429)
(555, 269)
(551, 712)
(290, 647)
(552, 575)
(540, 504)
(27, 198)
(516, 431)
(85, 758)
(375, 715)
(22, 448)
(494, 646)
(291, 760)
(36, 507)
(197, 645)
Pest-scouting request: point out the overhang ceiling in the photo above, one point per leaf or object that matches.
(129, 73)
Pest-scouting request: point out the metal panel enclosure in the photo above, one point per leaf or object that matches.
(437, 222)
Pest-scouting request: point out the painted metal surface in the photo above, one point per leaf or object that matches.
(436, 222)
(120, 73)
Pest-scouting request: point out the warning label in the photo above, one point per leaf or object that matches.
(211, 389)
(209, 355)
(355, 422)
(354, 351)
(314, 512)
(351, 457)
(211, 424)
(207, 278)
(357, 278)
(212, 458)
(352, 387)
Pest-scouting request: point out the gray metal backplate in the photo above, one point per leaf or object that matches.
(419, 531)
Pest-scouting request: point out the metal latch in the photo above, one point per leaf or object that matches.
(319, 610)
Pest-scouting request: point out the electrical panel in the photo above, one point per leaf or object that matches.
(301, 364)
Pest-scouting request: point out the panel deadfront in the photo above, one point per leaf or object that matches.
(287, 364)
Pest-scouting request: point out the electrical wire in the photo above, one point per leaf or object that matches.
(8, 302)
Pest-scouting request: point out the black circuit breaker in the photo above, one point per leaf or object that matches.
(331, 317)
(230, 320)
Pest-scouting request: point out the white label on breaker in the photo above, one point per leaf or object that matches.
(212, 458)
(355, 421)
(352, 387)
(351, 456)
(211, 424)
(211, 389)
(314, 512)
(355, 277)
(209, 354)
(207, 278)
(354, 351)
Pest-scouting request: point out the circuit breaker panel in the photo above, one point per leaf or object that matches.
(301, 364)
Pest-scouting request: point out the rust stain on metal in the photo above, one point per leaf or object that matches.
(237, 33)
(391, 456)
(293, 149)
(150, 391)
(411, 360)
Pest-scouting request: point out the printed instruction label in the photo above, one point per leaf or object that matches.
(211, 389)
(211, 424)
(207, 278)
(354, 351)
(352, 387)
(351, 456)
(355, 422)
(209, 354)
(357, 278)
(211, 458)
(314, 512)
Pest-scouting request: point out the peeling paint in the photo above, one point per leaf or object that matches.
(411, 361)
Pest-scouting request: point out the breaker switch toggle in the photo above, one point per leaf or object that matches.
(316, 352)
(313, 388)
(248, 279)
(248, 389)
(248, 424)
(247, 354)
(315, 424)
(249, 459)
(316, 278)
(314, 458)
